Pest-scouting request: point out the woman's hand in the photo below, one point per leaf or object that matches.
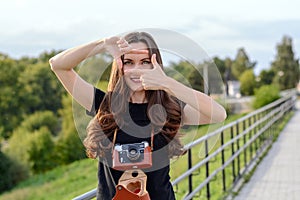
(155, 78)
(117, 46)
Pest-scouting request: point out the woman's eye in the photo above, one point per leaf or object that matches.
(127, 63)
(146, 62)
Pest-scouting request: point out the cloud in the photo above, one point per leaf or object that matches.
(222, 38)
(29, 27)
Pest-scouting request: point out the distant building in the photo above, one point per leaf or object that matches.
(234, 89)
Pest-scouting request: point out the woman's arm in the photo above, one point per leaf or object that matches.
(63, 66)
(200, 108)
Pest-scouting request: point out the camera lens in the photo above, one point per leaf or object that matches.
(133, 153)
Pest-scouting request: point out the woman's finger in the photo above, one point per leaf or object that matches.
(123, 45)
(121, 41)
(119, 63)
(138, 51)
(154, 61)
(125, 49)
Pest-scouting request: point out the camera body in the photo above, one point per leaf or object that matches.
(132, 156)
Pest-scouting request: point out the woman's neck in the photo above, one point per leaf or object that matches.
(138, 97)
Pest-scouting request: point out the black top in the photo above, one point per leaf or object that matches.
(158, 179)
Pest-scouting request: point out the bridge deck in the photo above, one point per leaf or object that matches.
(277, 177)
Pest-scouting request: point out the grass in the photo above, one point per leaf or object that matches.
(64, 182)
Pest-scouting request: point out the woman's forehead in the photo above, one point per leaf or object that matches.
(132, 56)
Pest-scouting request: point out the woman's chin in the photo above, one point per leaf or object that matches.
(139, 88)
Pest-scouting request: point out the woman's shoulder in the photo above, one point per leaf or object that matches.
(99, 93)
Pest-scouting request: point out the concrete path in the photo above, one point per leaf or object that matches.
(277, 177)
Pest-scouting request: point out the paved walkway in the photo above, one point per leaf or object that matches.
(277, 177)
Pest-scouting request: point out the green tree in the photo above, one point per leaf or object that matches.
(285, 66)
(40, 151)
(248, 82)
(69, 146)
(180, 71)
(11, 114)
(40, 89)
(184, 68)
(266, 77)
(221, 65)
(223, 73)
(196, 79)
(95, 69)
(39, 119)
(227, 74)
(241, 64)
(19, 143)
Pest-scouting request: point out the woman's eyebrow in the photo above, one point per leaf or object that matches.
(143, 59)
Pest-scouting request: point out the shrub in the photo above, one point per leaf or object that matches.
(20, 142)
(41, 118)
(24, 144)
(265, 95)
(11, 173)
(40, 152)
(68, 146)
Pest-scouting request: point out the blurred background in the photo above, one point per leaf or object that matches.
(253, 45)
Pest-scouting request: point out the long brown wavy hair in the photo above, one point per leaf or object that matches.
(115, 103)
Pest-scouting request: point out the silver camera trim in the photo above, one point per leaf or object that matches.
(118, 147)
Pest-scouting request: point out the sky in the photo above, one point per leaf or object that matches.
(30, 27)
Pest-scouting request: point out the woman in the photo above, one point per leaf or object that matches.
(140, 101)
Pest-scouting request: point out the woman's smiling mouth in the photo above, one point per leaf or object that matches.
(135, 79)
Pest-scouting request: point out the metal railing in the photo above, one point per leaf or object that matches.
(241, 144)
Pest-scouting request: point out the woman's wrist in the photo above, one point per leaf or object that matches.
(167, 87)
(99, 46)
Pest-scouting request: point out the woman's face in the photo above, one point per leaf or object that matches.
(136, 61)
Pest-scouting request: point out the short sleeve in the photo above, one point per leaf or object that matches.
(98, 97)
(182, 105)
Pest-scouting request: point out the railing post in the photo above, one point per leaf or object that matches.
(207, 171)
(250, 136)
(269, 134)
(238, 148)
(223, 162)
(255, 131)
(232, 153)
(261, 136)
(190, 165)
(245, 141)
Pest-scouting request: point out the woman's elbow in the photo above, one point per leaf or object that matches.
(222, 115)
(55, 63)
(52, 63)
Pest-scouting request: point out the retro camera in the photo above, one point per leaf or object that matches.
(132, 156)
